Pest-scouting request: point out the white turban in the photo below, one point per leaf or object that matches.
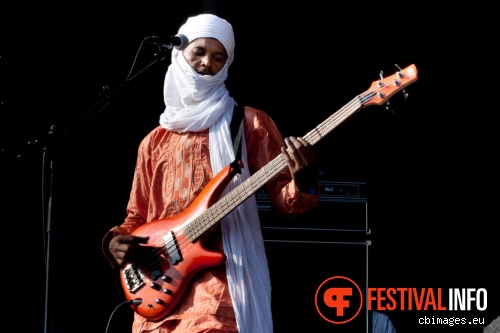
(195, 102)
(208, 25)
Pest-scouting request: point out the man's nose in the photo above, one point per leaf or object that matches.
(206, 61)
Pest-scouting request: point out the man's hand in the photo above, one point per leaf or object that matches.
(302, 161)
(127, 249)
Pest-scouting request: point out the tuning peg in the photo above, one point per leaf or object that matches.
(401, 75)
(388, 107)
(380, 83)
(405, 94)
(381, 76)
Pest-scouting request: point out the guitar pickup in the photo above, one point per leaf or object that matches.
(172, 248)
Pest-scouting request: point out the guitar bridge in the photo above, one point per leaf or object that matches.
(133, 278)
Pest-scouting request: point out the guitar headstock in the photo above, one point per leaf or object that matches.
(380, 91)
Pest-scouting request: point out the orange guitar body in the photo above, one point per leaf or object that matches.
(160, 280)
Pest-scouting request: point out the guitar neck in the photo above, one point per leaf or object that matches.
(334, 120)
(243, 191)
(379, 92)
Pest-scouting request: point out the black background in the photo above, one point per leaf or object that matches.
(430, 165)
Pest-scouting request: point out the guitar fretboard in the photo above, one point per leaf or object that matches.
(246, 189)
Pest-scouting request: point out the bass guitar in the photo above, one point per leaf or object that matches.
(155, 285)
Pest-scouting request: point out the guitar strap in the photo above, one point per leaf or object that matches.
(237, 129)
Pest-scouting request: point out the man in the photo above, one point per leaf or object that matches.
(175, 162)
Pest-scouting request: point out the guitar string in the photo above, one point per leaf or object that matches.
(197, 225)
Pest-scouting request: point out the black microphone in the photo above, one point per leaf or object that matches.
(179, 41)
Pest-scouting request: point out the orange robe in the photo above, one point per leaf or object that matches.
(171, 171)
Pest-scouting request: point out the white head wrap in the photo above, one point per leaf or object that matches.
(195, 102)
(208, 25)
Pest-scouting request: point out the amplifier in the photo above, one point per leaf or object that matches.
(343, 206)
(297, 270)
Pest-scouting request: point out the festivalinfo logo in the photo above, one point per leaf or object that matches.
(459, 299)
(339, 299)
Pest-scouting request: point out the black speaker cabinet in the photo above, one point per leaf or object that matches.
(298, 271)
(316, 252)
(342, 207)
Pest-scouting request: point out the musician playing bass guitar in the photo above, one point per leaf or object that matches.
(190, 249)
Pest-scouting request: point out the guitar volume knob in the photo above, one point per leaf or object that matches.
(155, 286)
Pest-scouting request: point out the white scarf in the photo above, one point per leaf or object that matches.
(196, 102)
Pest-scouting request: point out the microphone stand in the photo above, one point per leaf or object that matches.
(44, 144)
